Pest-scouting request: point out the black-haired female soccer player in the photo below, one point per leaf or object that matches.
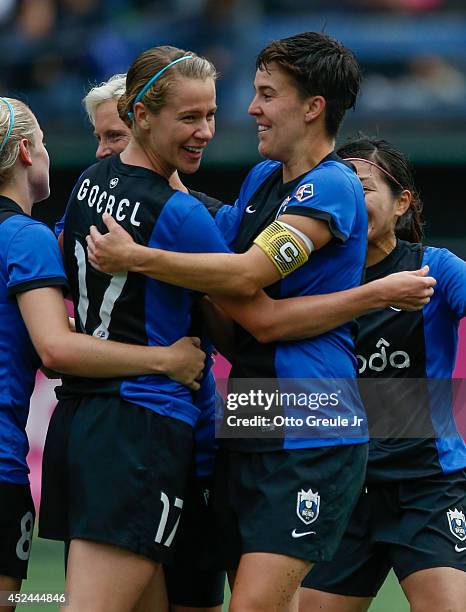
(412, 515)
(34, 327)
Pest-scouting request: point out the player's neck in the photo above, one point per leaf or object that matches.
(306, 155)
(19, 194)
(378, 250)
(136, 154)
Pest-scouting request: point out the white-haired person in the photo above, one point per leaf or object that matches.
(34, 328)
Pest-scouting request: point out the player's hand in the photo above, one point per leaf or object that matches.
(109, 252)
(186, 363)
(410, 290)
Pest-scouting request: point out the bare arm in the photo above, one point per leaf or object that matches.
(60, 349)
(296, 318)
(222, 273)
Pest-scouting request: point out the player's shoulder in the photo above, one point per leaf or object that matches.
(332, 180)
(259, 173)
(440, 257)
(334, 170)
(22, 222)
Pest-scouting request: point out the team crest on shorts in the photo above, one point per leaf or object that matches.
(307, 507)
(457, 524)
(304, 192)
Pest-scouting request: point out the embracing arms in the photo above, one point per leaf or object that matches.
(60, 349)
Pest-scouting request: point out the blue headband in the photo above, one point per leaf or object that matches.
(154, 78)
(11, 123)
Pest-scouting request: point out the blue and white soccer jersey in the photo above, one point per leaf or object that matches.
(330, 192)
(131, 307)
(29, 259)
(142, 419)
(412, 515)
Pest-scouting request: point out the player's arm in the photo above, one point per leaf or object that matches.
(270, 320)
(60, 349)
(277, 252)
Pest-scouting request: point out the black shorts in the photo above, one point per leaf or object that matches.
(116, 473)
(16, 525)
(290, 502)
(192, 579)
(407, 526)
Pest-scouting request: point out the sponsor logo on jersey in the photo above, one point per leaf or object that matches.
(250, 210)
(307, 506)
(457, 524)
(304, 192)
(300, 534)
(395, 308)
(379, 361)
(114, 182)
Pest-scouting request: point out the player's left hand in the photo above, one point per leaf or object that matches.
(109, 252)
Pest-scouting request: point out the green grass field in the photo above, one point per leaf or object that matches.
(46, 576)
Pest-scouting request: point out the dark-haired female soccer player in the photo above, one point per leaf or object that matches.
(411, 517)
(309, 203)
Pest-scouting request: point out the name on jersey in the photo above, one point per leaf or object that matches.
(105, 203)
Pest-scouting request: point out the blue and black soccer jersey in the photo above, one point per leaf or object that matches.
(29, 259)
(130, 307)
(330, 192)
(406, 360)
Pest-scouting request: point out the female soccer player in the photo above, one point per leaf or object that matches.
(127, 491)
(412, 515)
(190, 587)
(309, 201)
(34, 319)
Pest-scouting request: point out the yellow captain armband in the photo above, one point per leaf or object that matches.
(279, 243)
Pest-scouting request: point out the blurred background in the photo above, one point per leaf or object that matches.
(413, 55)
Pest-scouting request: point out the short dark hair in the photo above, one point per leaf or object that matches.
(410, 225)
(319, 66)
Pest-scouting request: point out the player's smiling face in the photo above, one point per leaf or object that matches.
(383, 208)
(111, 133)
(183, 128)
(279, 112)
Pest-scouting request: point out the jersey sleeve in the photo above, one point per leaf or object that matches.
(228, 220)
(34, 260)
(450, 273)
(186, 226)
(199, 234)
(327, 195)
(212, 204)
